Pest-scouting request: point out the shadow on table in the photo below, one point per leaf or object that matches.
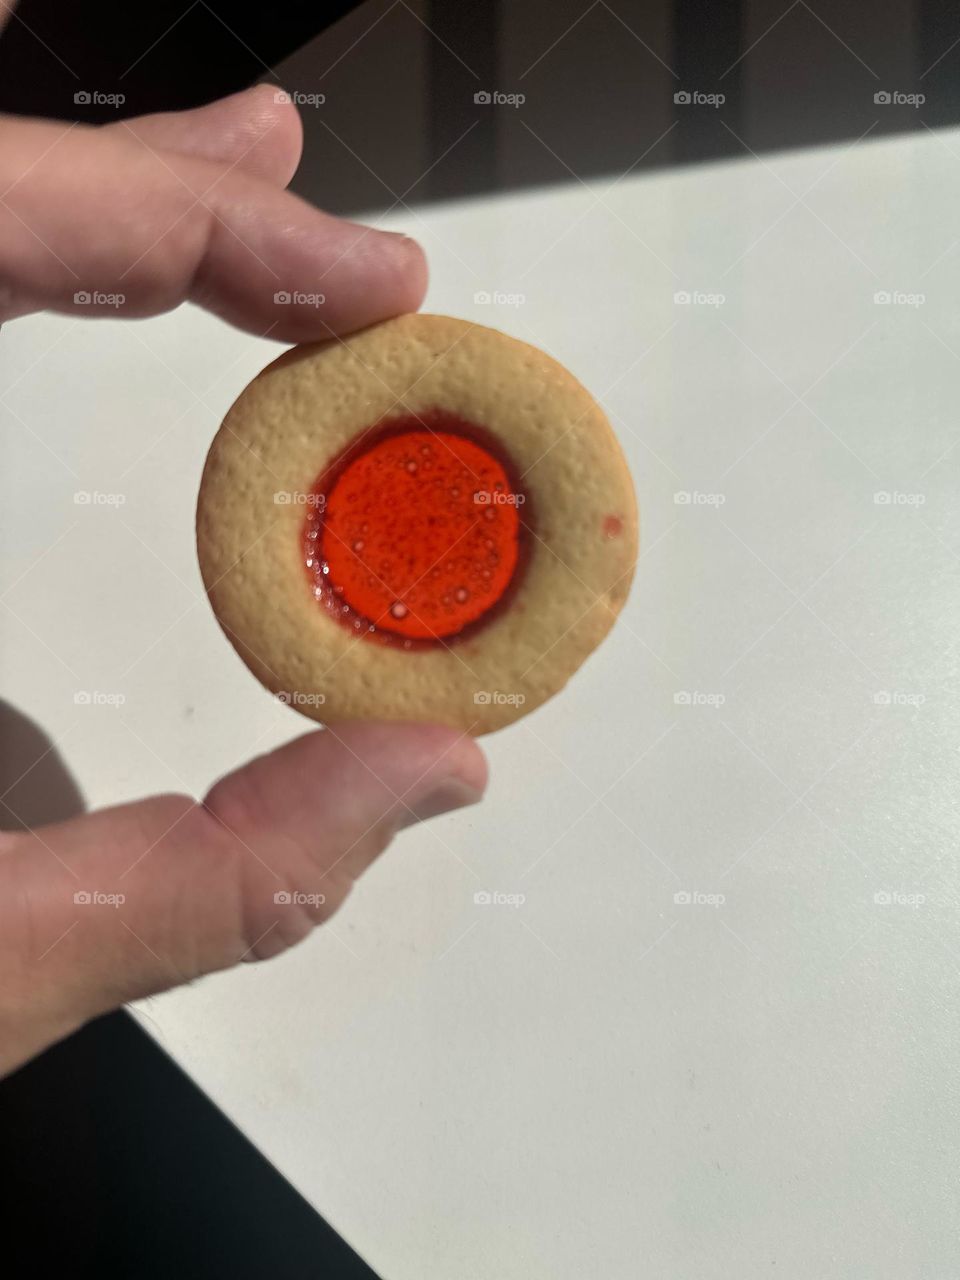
(35, 785)
(115, 1163)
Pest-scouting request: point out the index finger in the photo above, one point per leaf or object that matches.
(87, 211)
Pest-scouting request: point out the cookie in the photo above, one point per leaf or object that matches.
(427, 520)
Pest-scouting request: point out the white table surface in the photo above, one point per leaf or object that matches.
(603, 1081)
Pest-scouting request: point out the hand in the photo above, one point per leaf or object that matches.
(189, 206)
(126, 902)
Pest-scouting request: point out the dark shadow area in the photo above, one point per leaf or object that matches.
(399, 98)
(115, 1164)
(164, 56)
(35, 785)
(938, 60)
(118, 1166)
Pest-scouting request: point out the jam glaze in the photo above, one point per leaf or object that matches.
(418, 534)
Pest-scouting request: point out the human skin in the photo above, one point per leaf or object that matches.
(168, 208)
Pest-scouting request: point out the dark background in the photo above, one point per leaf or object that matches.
(399, 78)
(114, 1163)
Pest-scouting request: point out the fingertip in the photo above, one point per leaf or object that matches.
(272, 111)
(420, 750)
(393, 258)
(468, 762)
(415, 271)
(334, 277)
(377, 275)
(429, 769)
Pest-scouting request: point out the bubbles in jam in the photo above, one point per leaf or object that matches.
(417, 533)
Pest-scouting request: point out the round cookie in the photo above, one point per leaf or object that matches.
(426, 520)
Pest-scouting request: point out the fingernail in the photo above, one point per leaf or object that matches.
(450, 794)
(400, 242)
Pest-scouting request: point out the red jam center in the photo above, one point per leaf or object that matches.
(415, 534)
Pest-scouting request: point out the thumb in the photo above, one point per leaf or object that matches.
(128, 901)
